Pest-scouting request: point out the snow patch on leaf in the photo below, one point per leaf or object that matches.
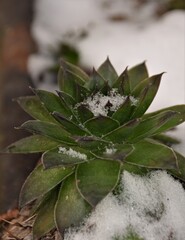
(100, 104)
(72, 153)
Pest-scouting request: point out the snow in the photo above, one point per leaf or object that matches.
(127, 43)
(100, 104)
(140, 37)
(154, 206)
(72, 153)
(110, 151)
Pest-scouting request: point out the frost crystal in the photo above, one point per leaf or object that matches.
(72, 153)
(100, 104)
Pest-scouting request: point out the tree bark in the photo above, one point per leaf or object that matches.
(15, 46)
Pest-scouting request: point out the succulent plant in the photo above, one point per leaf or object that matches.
(89, 132)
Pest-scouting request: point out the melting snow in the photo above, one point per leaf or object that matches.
(72, 153)
(154, 206)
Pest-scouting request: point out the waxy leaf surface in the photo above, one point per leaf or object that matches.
(41, 181)
(176, 120)
(76, 70)
(69, 101)
(116, 152)
(52, 102)
(44, 221)
(32, 144)
(70, 156)
(137, 74)
(71, 208)
(151, 125)
(33, 106)
(122, 83)
(91, 142)
(122, 115)
(96, 82)
(48, 129)
(122, 133)
(72, 85)
(69, 126)
(101, 125)
(108, 72)
(151, 154)
(97, 178)
(84, 113)
(146, 92)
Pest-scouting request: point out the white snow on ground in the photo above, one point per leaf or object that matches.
(154, 206)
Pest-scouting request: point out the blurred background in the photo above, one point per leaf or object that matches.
(34, 34)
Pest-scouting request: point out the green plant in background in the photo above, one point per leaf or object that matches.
(92, 130)
(68, 52)
(176, 4)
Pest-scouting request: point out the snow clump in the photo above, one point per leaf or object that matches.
(153, 207)
(72, 153)
(100, 104)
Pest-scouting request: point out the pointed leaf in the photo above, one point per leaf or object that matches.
(151, 154)
(150, 126)
(47, 129)
(33, 106)
(71, 208)
(96, 179)
(176, 120)
(167, 140)
(52, 102)
(101, 125)
(65, 156)
(137, 91)
(180, 172)
(76, 70)
(96, 82)
(137, 74)
(122, 133)
(122, 115)
(84, 113)
(146, 95)
(69, 101)
(72, 85)
(69, 104)
(108, 72)
(41, 181)
(32, 144)
(66, 79)
(123, 84)
(44, 221)
(175, 108)
(69, 126)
